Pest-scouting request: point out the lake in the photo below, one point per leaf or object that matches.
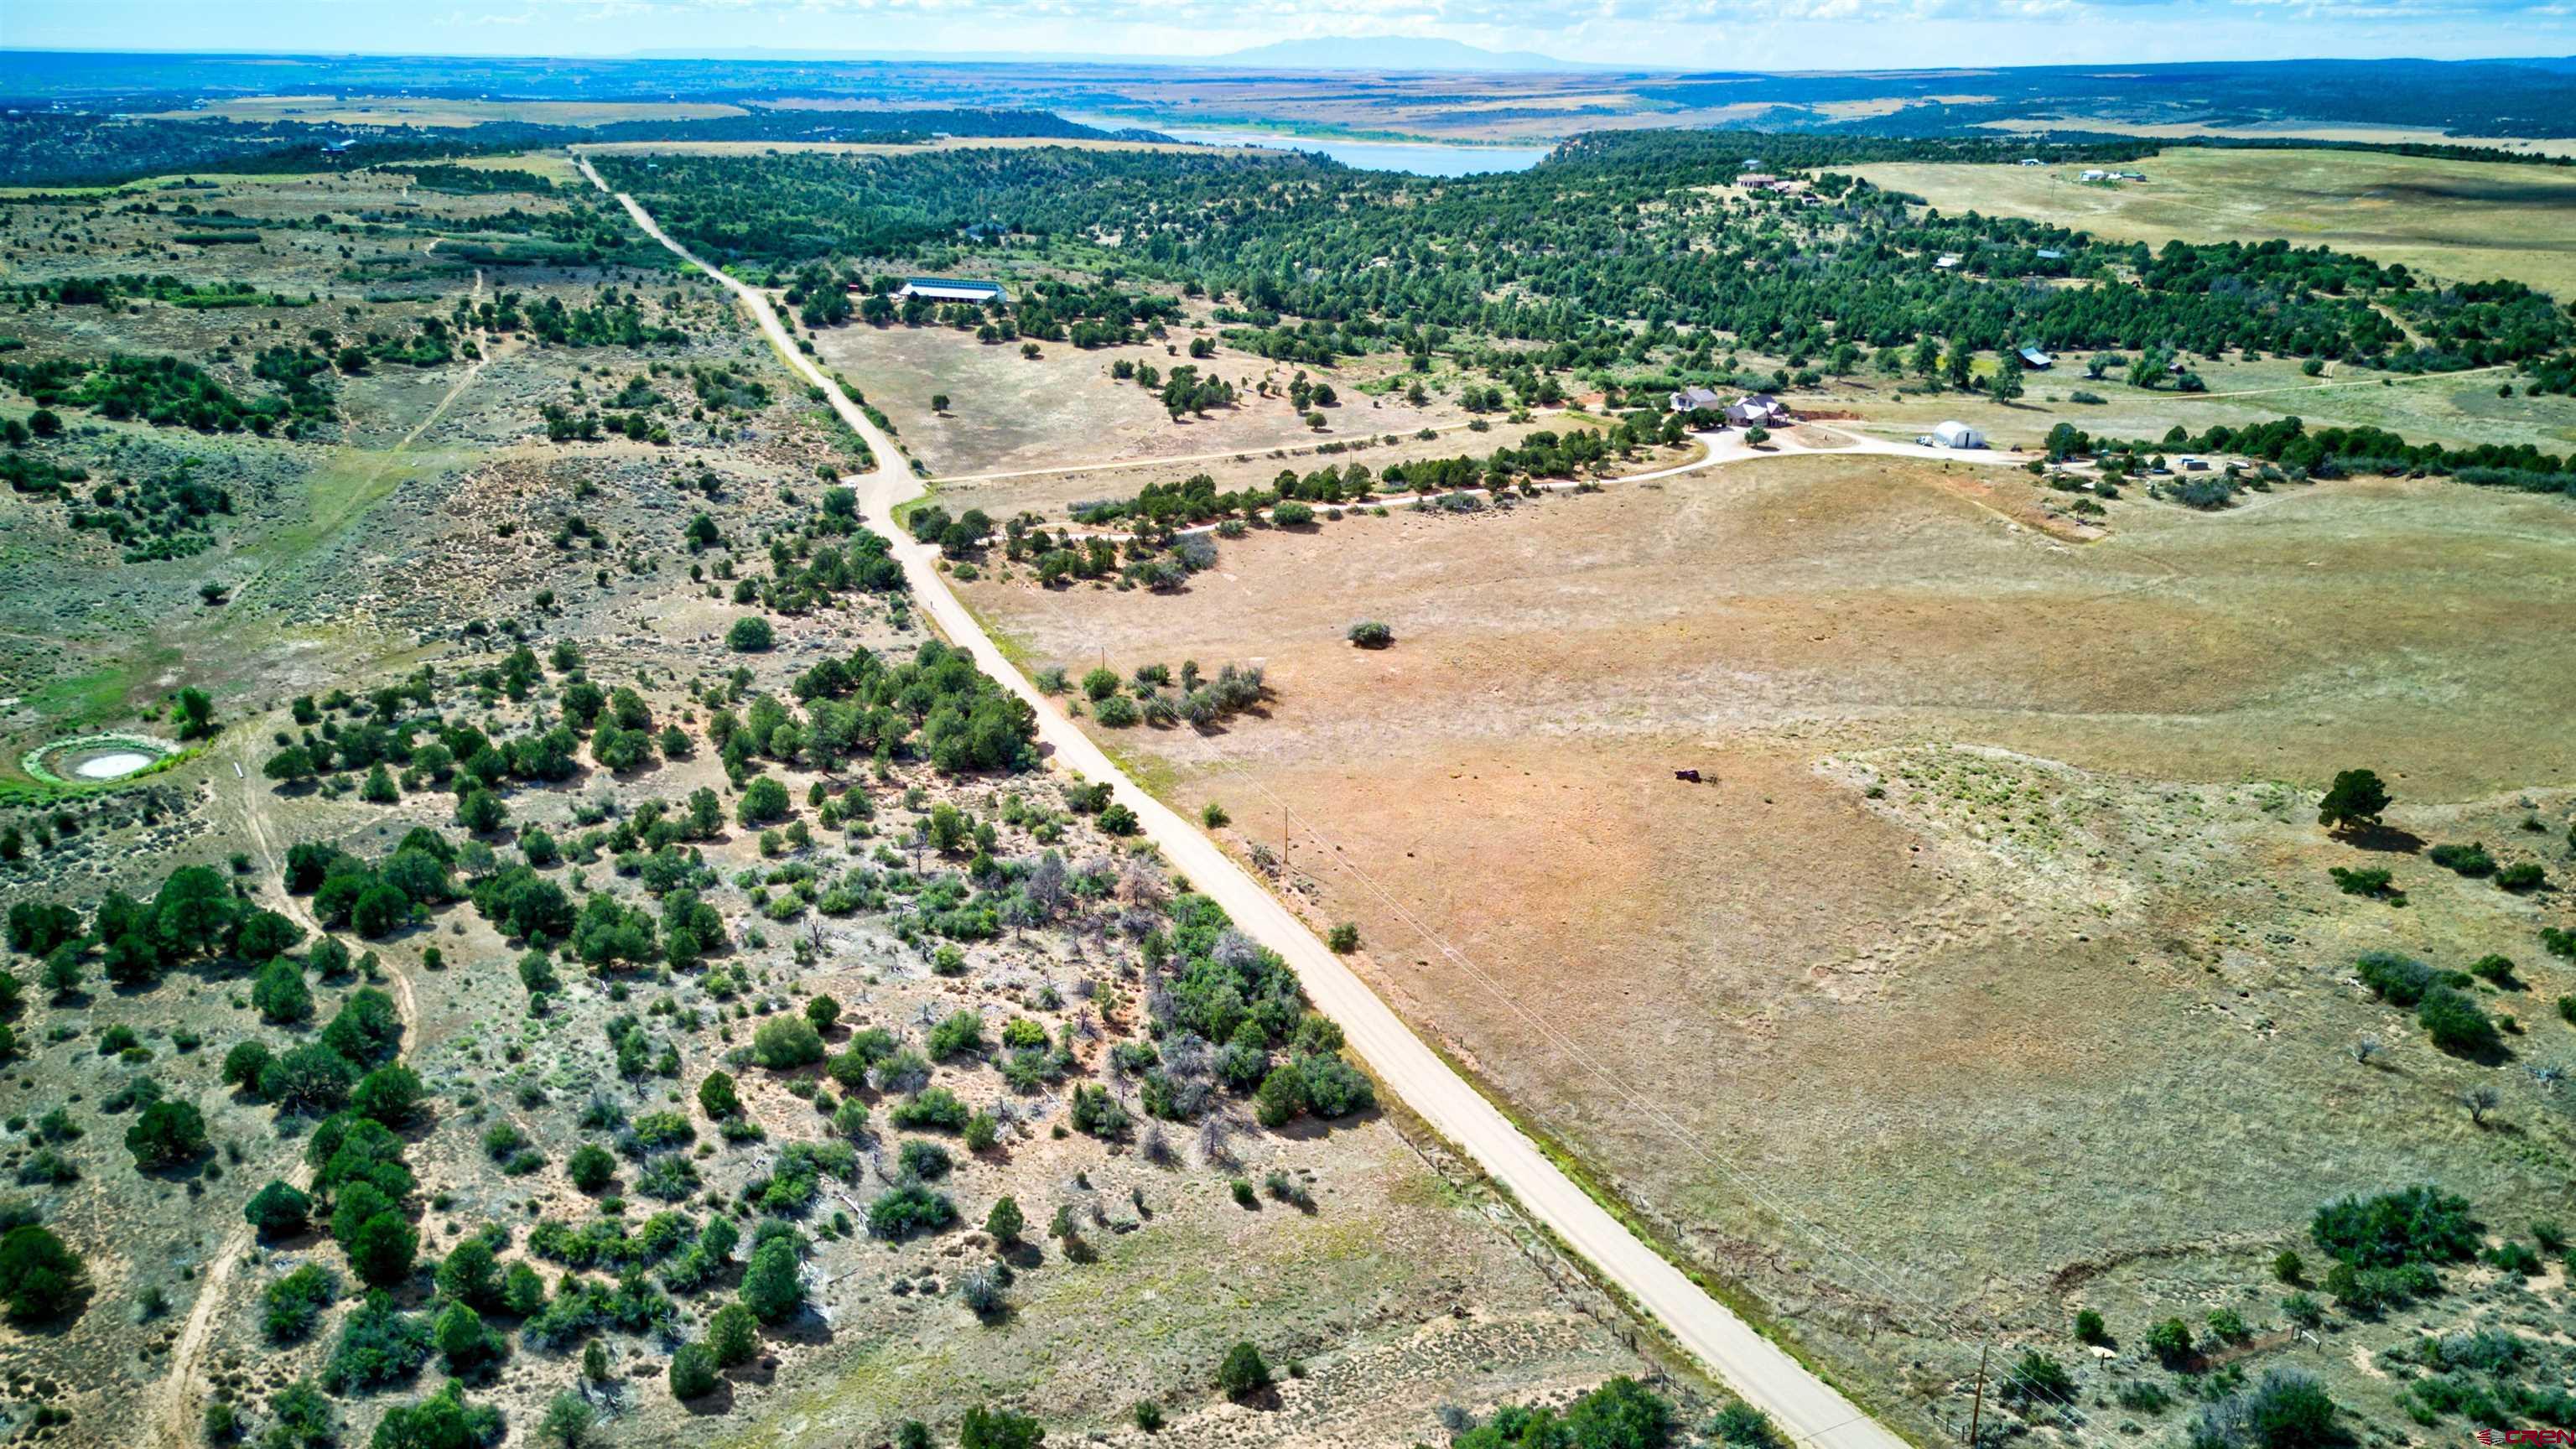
(1421, 158)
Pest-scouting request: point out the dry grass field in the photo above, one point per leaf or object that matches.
(1009, 413)
(2458, 409)
(2456, 220)
(1994, 971)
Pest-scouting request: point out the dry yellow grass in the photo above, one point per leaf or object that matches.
(1965, 1026)
(2458, 220)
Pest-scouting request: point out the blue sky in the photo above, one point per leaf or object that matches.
(1751, 34)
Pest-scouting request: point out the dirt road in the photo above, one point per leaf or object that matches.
(1809, 1409)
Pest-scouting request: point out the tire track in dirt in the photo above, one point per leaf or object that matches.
(173, 1422)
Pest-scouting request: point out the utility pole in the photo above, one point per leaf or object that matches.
(1284, 842)
(1977, 1412)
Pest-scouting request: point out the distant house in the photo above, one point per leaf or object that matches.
(1692, 399)
(2034, 358)
(945, 289)
(2128, 176)
(1957, 435)
(1754, 180)
(2049, 254)
(2095, 175)
(1947, 261)
(329, 148)
(2029, 161)
(1757, 410)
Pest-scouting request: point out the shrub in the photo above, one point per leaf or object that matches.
(750, 634)
(379, 1346)
(2515, 1258)
(591, 1167)
(2089, 1326)
(961, 1031)
(390, 1095)
(733, 1335)
(2364, 881)
(764, 802)
(2169, 1340)
(2289, 1409)
(2287, 1267)
(771, 1287)
(1116, 712)
(308, 1078)
(383, 1248)
(470, 1274)
(1004, 1221)
(1282, 1095)
(2457, 1024)
(1334, 1088)
(2495, 970)
(2521, 876)
(41, 1278)
(280, 993)
(1098, 1113)
(784, 1043)
(909, 1208)
(2036, 1376)
(1243, 1374)
(2468, 860)
(278, 1209)
(985, 1428)
(693, 1372)
(1345, 938)
(2420, 1224)
(294, 1303)
(1370, 634)
(244, 1063)
(463, 1340)
(1292, 514)
(2398, 980)
(167, 1134)
(717, 1098)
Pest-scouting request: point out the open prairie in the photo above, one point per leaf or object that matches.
(2456, 220)
(1008, 412)
(1993, 971)
(2460, 409)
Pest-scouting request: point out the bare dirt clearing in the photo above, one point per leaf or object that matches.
(1955, 1023)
